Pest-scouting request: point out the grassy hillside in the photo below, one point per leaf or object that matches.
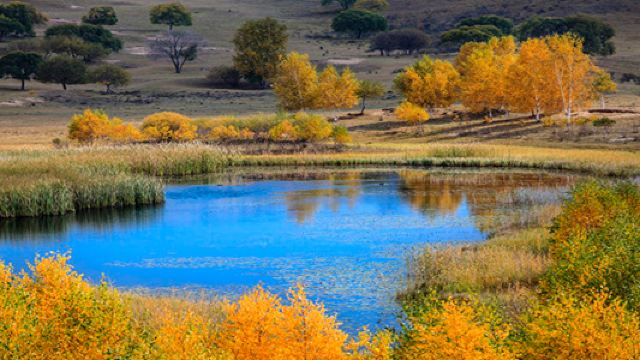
(36, 116)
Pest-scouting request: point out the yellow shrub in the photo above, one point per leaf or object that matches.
(341, 135)
(125, 133)
(169, 126)
(230, 132)
(411, 113)
(597, 328)
(310, 127)
(89, 126)
(283, 131)
(454, 331)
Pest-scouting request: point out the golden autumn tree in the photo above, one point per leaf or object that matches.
(168, 126)
(336, 91)
(483, 68)
(296, 82)
(454, 330)
(603, 85)
(572, 71)
(428, 83)
(532, 87)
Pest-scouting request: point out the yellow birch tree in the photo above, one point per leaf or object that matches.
(572, 71)
(296, 82)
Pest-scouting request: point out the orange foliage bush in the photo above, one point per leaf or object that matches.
(283, 131)
(169, 126)
(230, 132)
(94, 125)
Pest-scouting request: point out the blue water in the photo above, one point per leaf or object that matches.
(346, 236)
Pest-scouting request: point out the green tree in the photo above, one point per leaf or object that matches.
(475, 33)
(62, 70)
(110, 75)
(505, 25)
(359, 22)
(90, 33)
(259, 46)
(74, 47)
(344, 4)
(26, 14)
(596, 34)
(172, 14)
(9, 27)
(19, 65)
(101, 15)
(369, 89)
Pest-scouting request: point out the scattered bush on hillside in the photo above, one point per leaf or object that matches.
(358, 22)
(406, 40)
(224, 76)
(505, 25)
(101, 15)
(90, 33)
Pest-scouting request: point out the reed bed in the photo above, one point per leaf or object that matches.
(53, 182)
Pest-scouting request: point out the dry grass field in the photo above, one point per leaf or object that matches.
(33, 118)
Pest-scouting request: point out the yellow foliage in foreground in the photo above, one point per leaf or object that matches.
(55, 314)
(596, 328)
(455, 331)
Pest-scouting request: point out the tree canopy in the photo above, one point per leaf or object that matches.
(172, 14)
(473, 33)
(90, 33)
(505, 25)
(259, 46)
(359, 22)
(101, 15)
(9, 27)
(596, 34)
(25, 14)
(407, 40)
(62, 70)
(110, 76)
(178, 46)
(19, 65)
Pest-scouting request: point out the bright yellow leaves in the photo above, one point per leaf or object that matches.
(483, 67)
(454, 330)
(92, 126)
(532, 89)
(597, 327)
(572, 71)
(411, 113)
(95, 125)
(298, 86)
(55, 313)
(168, 126)
(259, 326)
(544, 76)
(295, 83)
(429, 83)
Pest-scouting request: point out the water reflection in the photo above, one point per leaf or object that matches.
(345, 234)
(50, 228)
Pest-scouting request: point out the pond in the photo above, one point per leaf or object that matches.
(345, 234)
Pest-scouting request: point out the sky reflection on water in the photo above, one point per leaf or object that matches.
(346, 235)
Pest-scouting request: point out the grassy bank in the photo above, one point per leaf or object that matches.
(53, 182)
